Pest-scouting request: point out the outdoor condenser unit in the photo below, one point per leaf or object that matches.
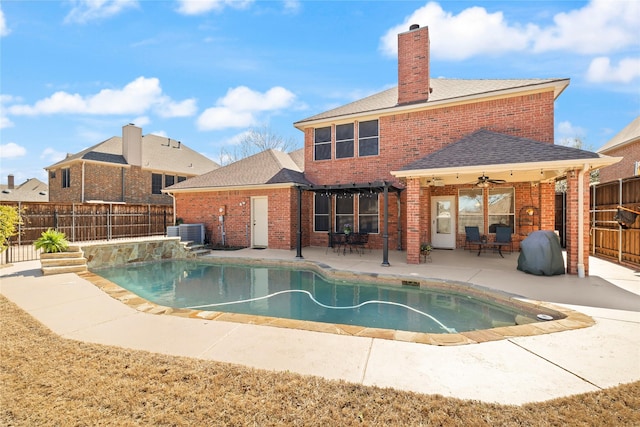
(192, 233)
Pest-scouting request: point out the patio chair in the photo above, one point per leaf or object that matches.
(336, 242)
(503, 238)
(359, 240)
(472, 238)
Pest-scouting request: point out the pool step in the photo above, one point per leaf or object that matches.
(195, 249)
(71, 261)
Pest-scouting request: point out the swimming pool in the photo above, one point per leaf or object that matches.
(304, 294)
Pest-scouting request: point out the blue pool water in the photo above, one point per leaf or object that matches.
(306, 295)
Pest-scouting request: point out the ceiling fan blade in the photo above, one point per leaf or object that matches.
(497, 181)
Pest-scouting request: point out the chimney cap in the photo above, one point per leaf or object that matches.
(414, 27)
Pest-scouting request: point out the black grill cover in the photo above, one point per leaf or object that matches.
(541, 254)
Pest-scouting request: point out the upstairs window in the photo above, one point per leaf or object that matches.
(368, 138)
(66, 177)
(322, 144)
(156, 183)
(182, 178)
(344, 141)
(169, 180)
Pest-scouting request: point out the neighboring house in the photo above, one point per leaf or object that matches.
(625, 144)
(420, 161)
(128, 169)
(32, 190)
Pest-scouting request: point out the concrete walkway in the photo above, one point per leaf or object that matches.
(512, 371)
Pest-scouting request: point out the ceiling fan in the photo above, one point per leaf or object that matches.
(484, 181)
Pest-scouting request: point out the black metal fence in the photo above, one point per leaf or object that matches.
(84, 222)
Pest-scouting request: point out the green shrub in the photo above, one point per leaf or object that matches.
(51, 241)
(9, 220)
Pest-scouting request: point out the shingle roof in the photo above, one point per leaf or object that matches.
(443, 90)
(32, 190)
(158, 153)
(267, 167)
(485, 147)
(629, 134)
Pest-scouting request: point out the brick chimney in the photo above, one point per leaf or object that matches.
(413, 65)
(132, 144)
(10, 182)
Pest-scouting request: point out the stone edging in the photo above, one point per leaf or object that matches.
(572, 319)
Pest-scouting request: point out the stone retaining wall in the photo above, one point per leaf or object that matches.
(107, 254)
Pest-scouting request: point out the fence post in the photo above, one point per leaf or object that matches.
(148, 219)
(73, 222)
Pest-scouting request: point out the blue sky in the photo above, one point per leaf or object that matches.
(204, 72)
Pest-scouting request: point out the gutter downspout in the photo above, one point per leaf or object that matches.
(584, 169)
(82, 184)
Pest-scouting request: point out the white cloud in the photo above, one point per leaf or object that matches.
(3, 25)
(139, 96)
(52, 155)
(11, 150)
(601, 71)
(474, 31)
(141, 121)
(566, 129)
(601, 26)
(5, 122)
(84, 11)
(241, 106)
(197, 7)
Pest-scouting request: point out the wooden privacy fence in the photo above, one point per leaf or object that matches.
(608, 239)
(85, 222)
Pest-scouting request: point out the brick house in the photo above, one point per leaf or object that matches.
(625, 144)
(418, 162)
(128, 169)
(252, 202)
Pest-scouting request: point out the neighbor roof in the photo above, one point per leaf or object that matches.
(265, 168)
(626, 136)
(158, 153)
(444, 91)
(32, 190)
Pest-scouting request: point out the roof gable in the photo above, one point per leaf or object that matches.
(267, 167)
(158, 153)
(629, 134)
(484, 147)
(444, 91)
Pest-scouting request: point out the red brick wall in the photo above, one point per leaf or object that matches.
(195, 208)
(625, 167)
(407, 137)
(413, 66)
(104, 182)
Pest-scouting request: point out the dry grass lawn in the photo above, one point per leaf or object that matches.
(47, 380)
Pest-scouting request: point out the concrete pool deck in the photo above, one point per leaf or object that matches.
(511, 371)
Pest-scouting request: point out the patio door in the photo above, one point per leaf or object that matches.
(443, 222)
(259, 222)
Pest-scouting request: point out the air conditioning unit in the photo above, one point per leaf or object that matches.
(192, 233)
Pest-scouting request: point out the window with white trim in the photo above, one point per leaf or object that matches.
(368, 138)
(502, 209)
(322, 143)
(368, 213)
(344, 141)
(320, 212)
(344, 212)
(470, 209)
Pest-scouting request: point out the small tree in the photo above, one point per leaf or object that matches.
(576, 142)
(10, 219)
(256, 141)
